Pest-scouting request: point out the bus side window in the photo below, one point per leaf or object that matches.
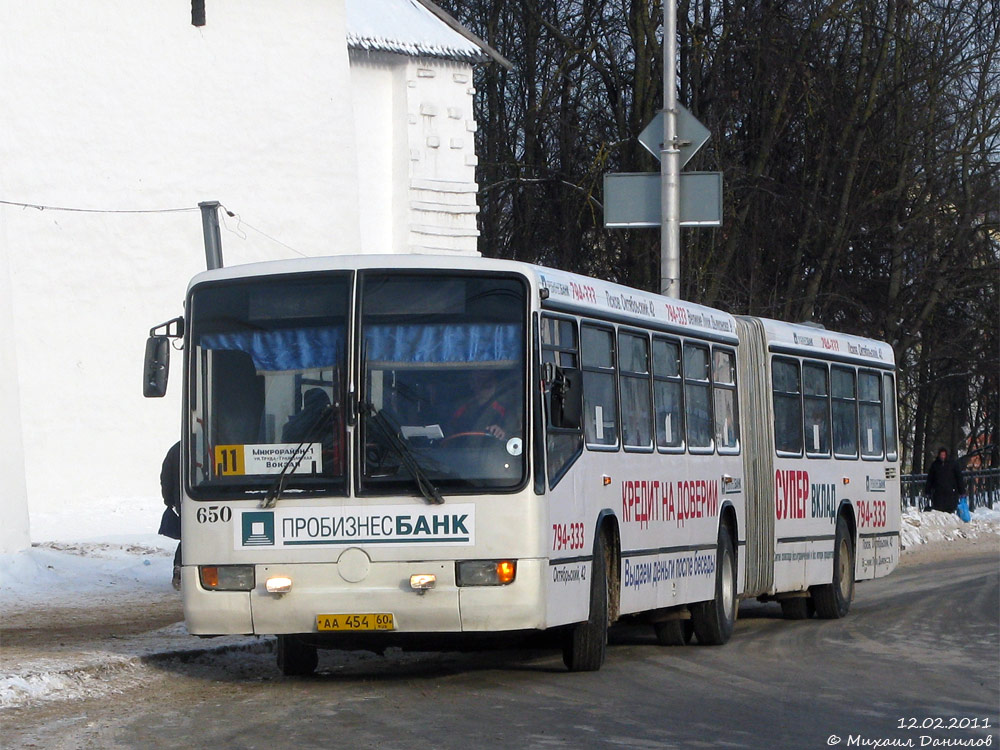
(727, 429)
(697, 400)
(845, 412)
(889, 412)
(870, 411)
(560, 347)
(633, 378)
(600, 407)
(668, 393)
(816, 412)
(787, 395)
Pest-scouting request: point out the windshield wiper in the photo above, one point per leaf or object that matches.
(431, 493)
(274, 492)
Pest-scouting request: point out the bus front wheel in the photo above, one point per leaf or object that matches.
(295, 657)
(587, 641)
(714, 620)
(833, 600)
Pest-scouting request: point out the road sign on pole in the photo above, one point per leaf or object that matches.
(688, 129)
(632, 199)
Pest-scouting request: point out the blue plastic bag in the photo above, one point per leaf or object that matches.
(963, 509)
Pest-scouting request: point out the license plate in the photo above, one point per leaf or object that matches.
(377, 621)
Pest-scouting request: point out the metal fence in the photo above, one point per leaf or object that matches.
(982, 486)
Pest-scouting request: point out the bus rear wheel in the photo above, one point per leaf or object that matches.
(296, 657)
(714, 620)
(674, 632)
(833, 600)
(798, 608)
(586, 642)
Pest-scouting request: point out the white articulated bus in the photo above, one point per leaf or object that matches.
(377, 448)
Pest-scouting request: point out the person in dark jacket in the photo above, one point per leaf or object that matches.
(170, 489)
(944, 483)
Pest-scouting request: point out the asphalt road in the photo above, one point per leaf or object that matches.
(923, 644)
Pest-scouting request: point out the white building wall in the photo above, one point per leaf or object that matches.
(442, 127)
(416, 153)
(14, 533)
(381, 145)
(121, 105)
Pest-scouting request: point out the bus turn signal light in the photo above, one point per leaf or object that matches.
(226, 577)
(485, 572)
(505, 571)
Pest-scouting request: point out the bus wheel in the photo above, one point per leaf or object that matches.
(587, 642)
(833, 600)
(295, 657)
(714, 620)
(674, 632)
(798, 608)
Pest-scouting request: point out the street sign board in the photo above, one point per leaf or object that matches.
(632, 199)
(688, 129)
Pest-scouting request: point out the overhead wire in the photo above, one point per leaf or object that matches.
(240, 223)
(43, 207)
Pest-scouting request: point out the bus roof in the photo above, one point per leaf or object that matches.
(587, 296)
(583, 295)
(352, 262)
(796, 338)
(568, 292)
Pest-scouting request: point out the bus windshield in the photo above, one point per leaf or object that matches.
(267, 366)
(444, 366)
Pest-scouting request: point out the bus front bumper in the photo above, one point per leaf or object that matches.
(318, 589)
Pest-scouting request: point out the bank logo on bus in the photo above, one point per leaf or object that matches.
(257, 529)
(333, 527)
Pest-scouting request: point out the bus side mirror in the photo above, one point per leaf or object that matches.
(566, 402)
(156, 367)
(571, 400)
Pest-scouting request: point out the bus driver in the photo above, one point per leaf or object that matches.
(484, 411)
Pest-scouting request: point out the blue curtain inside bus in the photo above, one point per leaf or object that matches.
(288, 349)
(283, 349)
(443, 344)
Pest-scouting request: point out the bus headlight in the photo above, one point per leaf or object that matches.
(226, 577)
(485, 572)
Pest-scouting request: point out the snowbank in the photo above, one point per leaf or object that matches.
(76, 574)
(926, 527)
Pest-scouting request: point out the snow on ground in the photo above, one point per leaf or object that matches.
(111, 520)
(75, 559)
(102, 670)
(112, 558)
(109, 560)
(926, 527)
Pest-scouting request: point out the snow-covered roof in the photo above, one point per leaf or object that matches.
(412, 27)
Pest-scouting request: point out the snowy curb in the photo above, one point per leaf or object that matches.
(103, 673)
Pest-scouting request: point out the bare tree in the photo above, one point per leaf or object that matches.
(860, 146)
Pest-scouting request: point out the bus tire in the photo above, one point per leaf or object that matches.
(833, 600)
(586, 642)
(674, 632)
(714, 620)
(296, 657)
(797, 608)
